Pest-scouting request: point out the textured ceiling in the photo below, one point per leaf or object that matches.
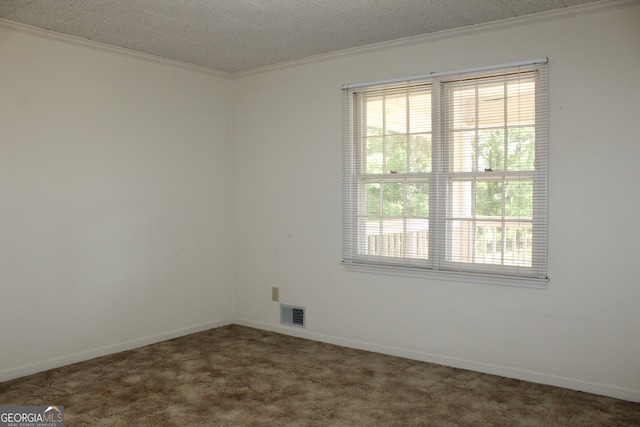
(235, 35)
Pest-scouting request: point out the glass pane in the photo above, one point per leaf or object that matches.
(372, 231)
(420, 149)
(417, 238)
(391, 241)
(420, 112)
(491, 105)
(463, 108)
(488, 247)
(417, 199)
(373, 199)
(521, 148)
(489, 198)
(375, 156)
(394, 238)
(518, 238)
(396, 153)
(396, 114)
(373, 116)
(521, 102)
(461, 244)
(491, 150)
(518, 199)
(392, 199)
(462, 155)
(392, 226)
(460, 199)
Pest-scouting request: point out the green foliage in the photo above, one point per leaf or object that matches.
(394, 195)
(396, 153)
(517, 195)
(400, 153)
(520, 149)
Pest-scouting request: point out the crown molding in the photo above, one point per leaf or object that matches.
(91, 44)
(444, 34)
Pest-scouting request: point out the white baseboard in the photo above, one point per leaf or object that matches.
(503, 371)
(104, 351)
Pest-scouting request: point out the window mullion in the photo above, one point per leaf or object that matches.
(505, 163)
(384, 170)
(474, 182)
(405, 207)
(437, 185)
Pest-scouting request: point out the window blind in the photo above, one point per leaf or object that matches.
(449, 172)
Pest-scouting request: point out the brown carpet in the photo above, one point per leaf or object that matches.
(238, 376)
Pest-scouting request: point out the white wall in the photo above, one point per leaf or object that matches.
(115, 201)
(116, 177)
(583, 332)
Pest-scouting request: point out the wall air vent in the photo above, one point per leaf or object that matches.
(290, 315)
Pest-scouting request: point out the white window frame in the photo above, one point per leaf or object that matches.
(438, 266)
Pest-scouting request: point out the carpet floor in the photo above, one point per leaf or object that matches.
(239, 376)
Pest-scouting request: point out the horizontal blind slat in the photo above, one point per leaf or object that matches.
(457, 183)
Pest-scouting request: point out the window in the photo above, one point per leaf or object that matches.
(448, 173)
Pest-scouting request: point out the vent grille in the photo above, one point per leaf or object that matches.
(291, 315)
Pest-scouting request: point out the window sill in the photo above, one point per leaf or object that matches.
(452, 276)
